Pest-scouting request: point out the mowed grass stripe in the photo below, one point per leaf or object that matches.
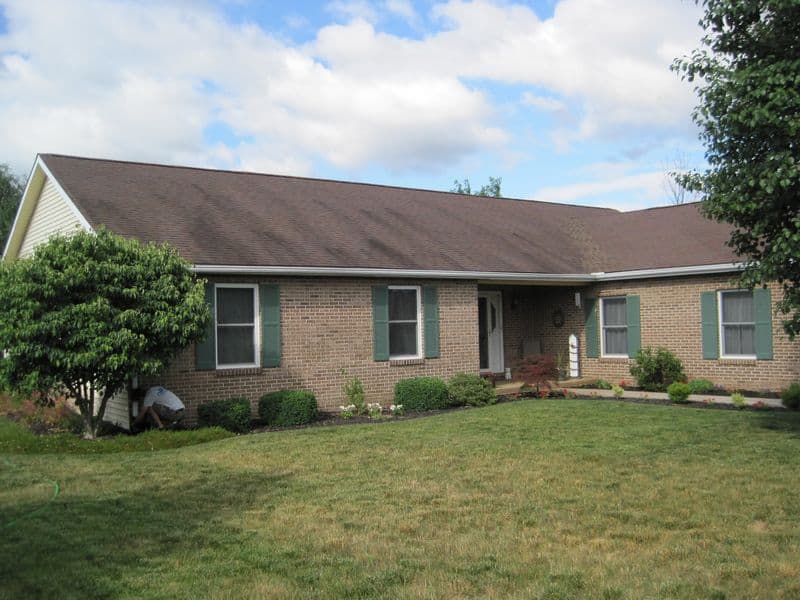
(529, 499)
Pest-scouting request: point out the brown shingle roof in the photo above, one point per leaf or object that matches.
(248, 219)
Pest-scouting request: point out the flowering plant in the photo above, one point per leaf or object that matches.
(374, 409)
(347, 412)
(397, 409)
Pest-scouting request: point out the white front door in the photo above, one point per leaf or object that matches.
(490, 331)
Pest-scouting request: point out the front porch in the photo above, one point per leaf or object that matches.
(518, 321)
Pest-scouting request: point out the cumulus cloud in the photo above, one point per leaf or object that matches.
(144, 81)
(614, 188)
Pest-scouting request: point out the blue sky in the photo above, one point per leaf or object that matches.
(569, 100)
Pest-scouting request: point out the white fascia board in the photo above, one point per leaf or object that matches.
(398, 273)
(556, 278)
(669, 272)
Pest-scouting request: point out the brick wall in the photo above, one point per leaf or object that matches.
(670, 317)
(326, 337)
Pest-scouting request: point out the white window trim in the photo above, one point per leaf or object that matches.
(256, 326)
(418, 355)
(603, 353)
(721, 328)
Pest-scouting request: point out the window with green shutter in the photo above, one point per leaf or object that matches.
(745, 324)
(233, 337)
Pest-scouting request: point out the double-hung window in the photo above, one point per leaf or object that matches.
(236, 323)
(614, 321)
(404, 322)
(737, 324)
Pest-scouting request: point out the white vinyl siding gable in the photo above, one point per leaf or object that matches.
(52, 215)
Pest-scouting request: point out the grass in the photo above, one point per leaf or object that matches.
(532, 499)
(16, 439)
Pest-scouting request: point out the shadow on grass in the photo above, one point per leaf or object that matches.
(780, 420)
(153, 538)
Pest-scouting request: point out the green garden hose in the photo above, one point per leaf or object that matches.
(56, 490)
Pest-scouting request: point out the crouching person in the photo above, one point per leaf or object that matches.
(159, 408)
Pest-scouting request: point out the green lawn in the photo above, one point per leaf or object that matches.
(532, 499)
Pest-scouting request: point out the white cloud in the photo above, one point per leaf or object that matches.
(638, 190)
(144, 80)
(403, 9)
(352, 10)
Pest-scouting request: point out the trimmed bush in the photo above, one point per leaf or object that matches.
(232, 414)
(269, 405)
(656, 369)
(286, 408)
(421, 393)
(701, 386)
(679, 392)
(790, 397)
(471, 390)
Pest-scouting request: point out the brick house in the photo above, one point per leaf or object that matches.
(314, 281)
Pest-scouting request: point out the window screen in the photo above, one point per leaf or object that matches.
(738, 324)
(236, 326)
(615, 326)
(403, 322)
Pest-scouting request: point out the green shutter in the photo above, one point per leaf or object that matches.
(380, 322)
(634, 325)
(591, 328)
(205, 352)
(269, 296)
(709, 320)
(762, 301)
(430, 303)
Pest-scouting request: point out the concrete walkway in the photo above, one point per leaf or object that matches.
(514, 387)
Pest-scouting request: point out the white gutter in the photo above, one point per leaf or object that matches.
(668, 272)
(563, 278)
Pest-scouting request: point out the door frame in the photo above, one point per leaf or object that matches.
(500, 358)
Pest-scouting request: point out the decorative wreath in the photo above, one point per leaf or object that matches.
(558, 317)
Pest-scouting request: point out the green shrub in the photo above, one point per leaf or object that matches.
(656, 369)
(232, 414)
(421, 393)
(679, 392)
(471, 390)
(602, 384)
(701, 386)
(269, 405)
(738, 400)
(618, 391)
(354, 392)
(286, 408)
(790, 397)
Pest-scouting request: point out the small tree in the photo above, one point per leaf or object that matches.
(88, 312)
(491, 189)
(537, 371)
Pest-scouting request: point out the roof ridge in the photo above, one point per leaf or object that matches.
(322, 179)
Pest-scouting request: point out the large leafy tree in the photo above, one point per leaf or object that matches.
(88, 312)
(747, 76)
(491, 189)
(10, 194)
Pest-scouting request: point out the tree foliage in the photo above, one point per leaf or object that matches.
(747, 76)
(90, 311)
(11, 189)
(491, 189)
